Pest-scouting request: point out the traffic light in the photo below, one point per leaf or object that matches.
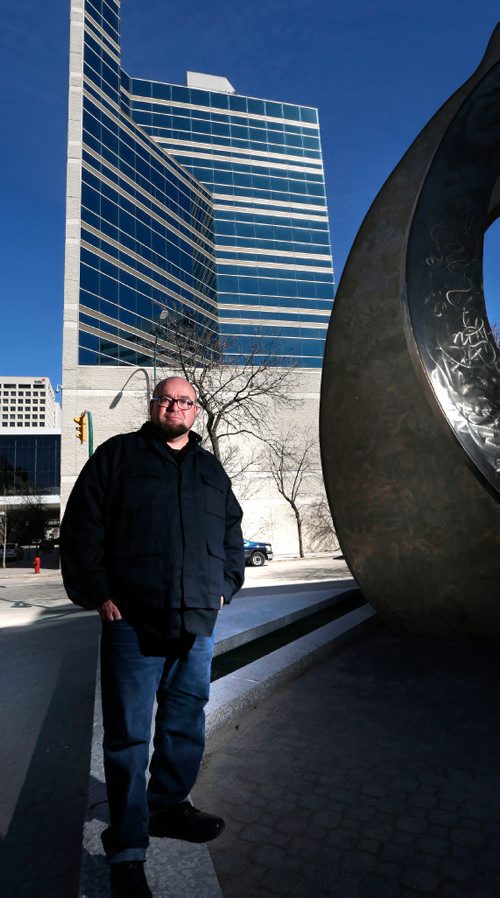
(81, 427)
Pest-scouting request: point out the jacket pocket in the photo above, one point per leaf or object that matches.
(216, 562)
(214, 496)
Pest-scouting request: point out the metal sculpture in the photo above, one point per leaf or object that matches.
(410, 401)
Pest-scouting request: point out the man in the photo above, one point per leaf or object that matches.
(151, 538)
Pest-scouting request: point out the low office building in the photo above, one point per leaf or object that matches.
(30, 476)
(30, 449)
(28, 403)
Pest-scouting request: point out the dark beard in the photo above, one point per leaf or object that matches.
(170, 431)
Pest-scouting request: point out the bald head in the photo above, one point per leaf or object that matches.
(184, 388)
(173, 410)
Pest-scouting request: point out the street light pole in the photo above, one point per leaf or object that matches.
(154, 361)
(91, 432)
(3, 518)
(163, 315)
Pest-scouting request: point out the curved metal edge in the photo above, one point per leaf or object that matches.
(476, 439)
(490, 55)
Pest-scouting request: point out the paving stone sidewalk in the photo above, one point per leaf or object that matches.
(373, 775)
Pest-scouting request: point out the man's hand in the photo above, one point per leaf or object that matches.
(109, 611)
(221, 601)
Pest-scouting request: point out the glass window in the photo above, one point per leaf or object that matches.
(308, 115)
(180, 94)
(291, 112)
(198, 97)
(219, 100)
(256, 107)
(154, 89)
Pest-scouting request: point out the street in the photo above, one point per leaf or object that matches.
(47, 670)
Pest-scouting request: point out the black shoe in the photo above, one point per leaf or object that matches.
(185, 822)
(128, 880)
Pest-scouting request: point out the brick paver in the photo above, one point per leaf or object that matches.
(372, 775)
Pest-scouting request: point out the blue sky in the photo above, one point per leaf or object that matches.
(377, 70)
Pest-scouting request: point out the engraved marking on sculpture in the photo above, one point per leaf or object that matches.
(465, 357)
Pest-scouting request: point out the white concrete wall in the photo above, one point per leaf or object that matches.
(71, 460)
(118, 397)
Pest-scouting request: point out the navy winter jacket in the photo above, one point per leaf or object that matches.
(155, 536)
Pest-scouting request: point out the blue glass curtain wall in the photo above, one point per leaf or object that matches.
(209, 203)
(30, 465)
(147, 238)
(261, 160)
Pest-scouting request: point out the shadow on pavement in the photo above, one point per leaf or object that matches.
(374, 774)
(41, 853)
(95, 869)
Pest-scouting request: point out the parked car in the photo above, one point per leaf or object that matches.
(12, 551)
(257, 553)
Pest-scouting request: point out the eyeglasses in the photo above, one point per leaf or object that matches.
(183, 402)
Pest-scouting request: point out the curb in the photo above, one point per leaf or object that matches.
(327, 598)
(238, 691)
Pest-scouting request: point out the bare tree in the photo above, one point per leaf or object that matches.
(235, 396)
(293, 463)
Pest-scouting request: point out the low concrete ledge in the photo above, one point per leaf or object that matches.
(257, 621)
(234, 693)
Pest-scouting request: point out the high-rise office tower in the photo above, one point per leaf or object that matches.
(186, 198)
(145, 226)
(261, 161)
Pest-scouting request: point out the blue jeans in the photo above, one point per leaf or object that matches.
(130, 680)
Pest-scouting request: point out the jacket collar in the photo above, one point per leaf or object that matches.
(152, 437)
